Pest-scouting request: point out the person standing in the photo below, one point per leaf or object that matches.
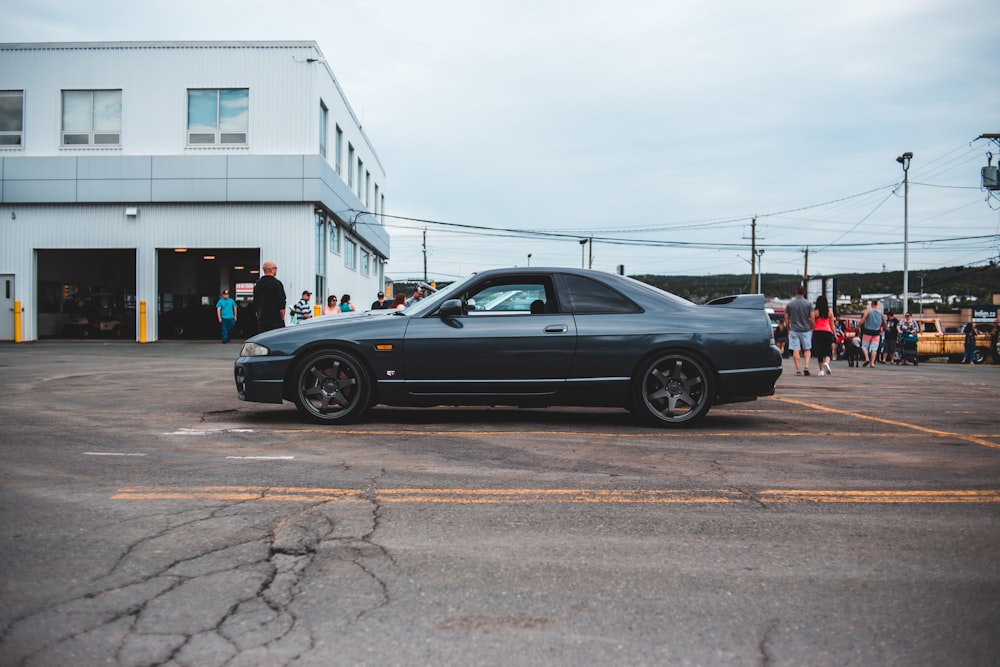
(871, 332)
(418, 294)
(799, 320)
(380, 303)
(345, 304)
(891, 337)
(970, 343)
(909, 335)
(399, 303)
(269, 299)
(303, 309)
(225, 308)
(822, 335)
(331, 305)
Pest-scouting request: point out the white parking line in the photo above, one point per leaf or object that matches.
(263, 458)
(114, 454)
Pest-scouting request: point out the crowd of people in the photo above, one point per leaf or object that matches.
(269, 304)
(812, 331)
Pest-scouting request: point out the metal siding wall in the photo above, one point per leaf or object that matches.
(285, 92)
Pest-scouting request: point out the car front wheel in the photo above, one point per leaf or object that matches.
(674, 389)
(332, 387)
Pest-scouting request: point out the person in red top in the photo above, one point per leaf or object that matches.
(822, 338)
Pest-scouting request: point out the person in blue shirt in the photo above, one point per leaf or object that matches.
(226, 309)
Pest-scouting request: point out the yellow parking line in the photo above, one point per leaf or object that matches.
(892, 422)
(568, 496)
(654, 434)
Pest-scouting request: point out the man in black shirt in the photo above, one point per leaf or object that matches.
(891, 335)
(269, 299)
(380, 303)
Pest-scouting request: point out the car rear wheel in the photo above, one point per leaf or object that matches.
(332, 387)
(674, 389)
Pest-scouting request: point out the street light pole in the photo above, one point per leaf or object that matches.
(904, 160)
(760, 271)
(583, 256)
(529, 259)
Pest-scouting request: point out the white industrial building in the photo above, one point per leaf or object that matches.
(140, 179)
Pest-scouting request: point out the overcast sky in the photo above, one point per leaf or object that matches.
(659, 129)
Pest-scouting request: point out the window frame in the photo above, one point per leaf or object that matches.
(324, 123)
(18, 133)
(366, 260)
(110, 137)
(350, 254)
(218, 132)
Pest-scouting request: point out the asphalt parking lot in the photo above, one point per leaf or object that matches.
(151, 518)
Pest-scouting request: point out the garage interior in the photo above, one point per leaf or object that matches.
(91, 293)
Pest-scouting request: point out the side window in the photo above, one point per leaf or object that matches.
(588, 297)
(510, 297)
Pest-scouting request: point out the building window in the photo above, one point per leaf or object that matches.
(350, 254)
(11, 118)
(377, 210)
(320, 239)
(339, 147)
(366, 262)
(324, 116)
(91, 117)
(368, 189)
(361, 172)
(350, 165)
(334, 237)
(381, 207)
(218, 116)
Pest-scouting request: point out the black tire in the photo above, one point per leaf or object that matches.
(979, 355)
(332, 387)
(673, 389)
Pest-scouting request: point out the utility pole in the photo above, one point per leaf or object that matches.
(425, 255)
(753, 253)
(805, 269)
(904, 160)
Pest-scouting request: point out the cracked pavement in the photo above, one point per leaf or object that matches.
(197, 531)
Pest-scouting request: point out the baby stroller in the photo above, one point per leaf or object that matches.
(907, 349)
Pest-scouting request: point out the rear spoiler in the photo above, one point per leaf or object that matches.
(745, 301)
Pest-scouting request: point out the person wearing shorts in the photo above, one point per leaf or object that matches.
(799, 319)
(871, 332)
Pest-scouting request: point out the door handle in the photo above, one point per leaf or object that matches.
(556, 328)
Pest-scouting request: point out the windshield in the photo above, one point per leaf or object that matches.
(429, 302)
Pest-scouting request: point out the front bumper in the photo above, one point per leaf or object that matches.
(261, 379)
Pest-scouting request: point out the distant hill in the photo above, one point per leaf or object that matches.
(981, 283)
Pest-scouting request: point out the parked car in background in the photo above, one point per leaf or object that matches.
(530, 337)
(935, 341)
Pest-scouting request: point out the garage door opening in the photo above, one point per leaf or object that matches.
(190, 281)
(86, 293)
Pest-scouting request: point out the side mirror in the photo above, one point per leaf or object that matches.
(451, 308)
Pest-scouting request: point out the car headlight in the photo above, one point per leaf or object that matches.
(254, 350)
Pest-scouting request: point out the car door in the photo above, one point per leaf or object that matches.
(499, 347)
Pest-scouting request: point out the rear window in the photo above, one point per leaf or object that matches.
(590, 297)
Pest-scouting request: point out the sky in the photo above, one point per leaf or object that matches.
(512, 130)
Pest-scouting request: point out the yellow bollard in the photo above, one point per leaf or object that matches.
(317, 310)
(142, 321)
(17, 321)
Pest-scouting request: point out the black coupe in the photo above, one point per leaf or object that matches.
(528, 337)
